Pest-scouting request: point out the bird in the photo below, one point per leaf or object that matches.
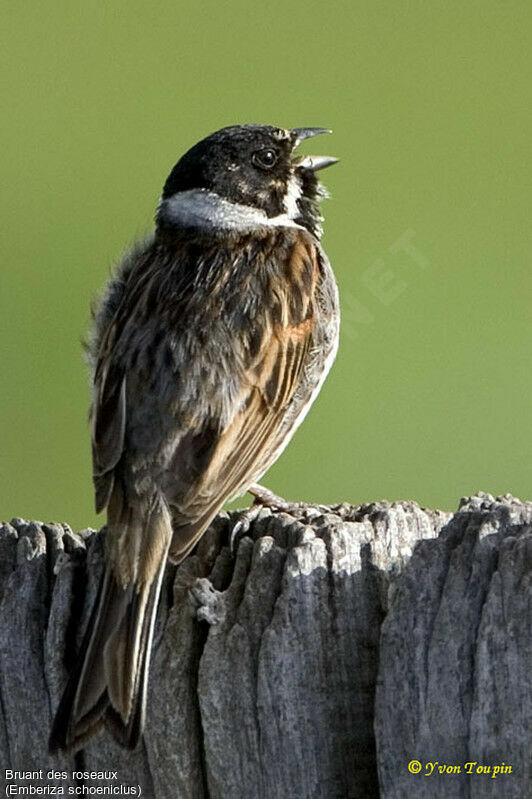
(209, 343)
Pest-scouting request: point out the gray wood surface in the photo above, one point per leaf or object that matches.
(337, 647)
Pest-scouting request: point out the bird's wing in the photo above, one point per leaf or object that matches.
(108, 409)
(246, 446)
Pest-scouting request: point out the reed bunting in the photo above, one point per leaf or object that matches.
(209, 345)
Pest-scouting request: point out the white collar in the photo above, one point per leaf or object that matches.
(200, 208)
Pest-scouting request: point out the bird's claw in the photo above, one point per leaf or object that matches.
(242, 526)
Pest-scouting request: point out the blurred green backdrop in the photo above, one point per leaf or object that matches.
(430, 106)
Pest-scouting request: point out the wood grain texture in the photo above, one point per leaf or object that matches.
(340, 644)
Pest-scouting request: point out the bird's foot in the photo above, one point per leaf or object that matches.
(266, 498)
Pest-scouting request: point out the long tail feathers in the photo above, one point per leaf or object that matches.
(109, 682)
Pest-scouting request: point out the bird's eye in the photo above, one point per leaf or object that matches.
(264, 159)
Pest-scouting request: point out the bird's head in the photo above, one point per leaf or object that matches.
(246, 172)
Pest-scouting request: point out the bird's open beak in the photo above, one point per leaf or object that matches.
(313, 162)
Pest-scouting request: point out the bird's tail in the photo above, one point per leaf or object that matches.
(109, 681)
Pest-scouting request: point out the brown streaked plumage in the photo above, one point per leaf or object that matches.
(209, 345)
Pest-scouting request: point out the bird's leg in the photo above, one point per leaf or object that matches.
(263, 496)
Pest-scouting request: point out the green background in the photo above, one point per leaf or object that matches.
(430, 105)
